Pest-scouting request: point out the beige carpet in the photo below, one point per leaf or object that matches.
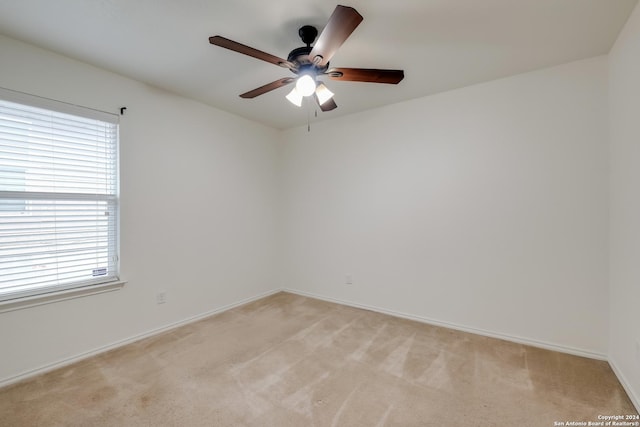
(287, 360)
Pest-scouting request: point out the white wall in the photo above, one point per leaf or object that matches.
(199, 207)
(484, 207)
(624, 98)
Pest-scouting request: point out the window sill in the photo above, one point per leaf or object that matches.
(32, 301)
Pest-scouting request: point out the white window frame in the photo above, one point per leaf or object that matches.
(24, 296)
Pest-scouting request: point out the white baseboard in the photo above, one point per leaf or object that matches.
(625, 384)
(73, 359)
(527, 341)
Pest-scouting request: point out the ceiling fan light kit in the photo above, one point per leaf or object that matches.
(308, 63)
(322, 93)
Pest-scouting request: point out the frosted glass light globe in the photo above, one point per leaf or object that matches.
(323, 93)
(294, 97)
(306, 85)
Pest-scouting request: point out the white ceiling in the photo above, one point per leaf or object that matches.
(441, 44)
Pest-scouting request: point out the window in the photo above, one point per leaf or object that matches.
(59, 203)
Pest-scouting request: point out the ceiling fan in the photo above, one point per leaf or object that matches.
(308, 63)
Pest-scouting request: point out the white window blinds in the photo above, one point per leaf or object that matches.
(58, 196)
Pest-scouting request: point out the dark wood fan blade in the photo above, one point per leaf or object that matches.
(341, 24)
(328, 105)
(249, 51)
(267, 88)
(370, 75)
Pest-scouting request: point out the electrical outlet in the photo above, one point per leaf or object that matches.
(348, 279)
(638, 352)
(161, 297)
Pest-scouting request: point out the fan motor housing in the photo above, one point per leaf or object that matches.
(300, 55)
(300, 58)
